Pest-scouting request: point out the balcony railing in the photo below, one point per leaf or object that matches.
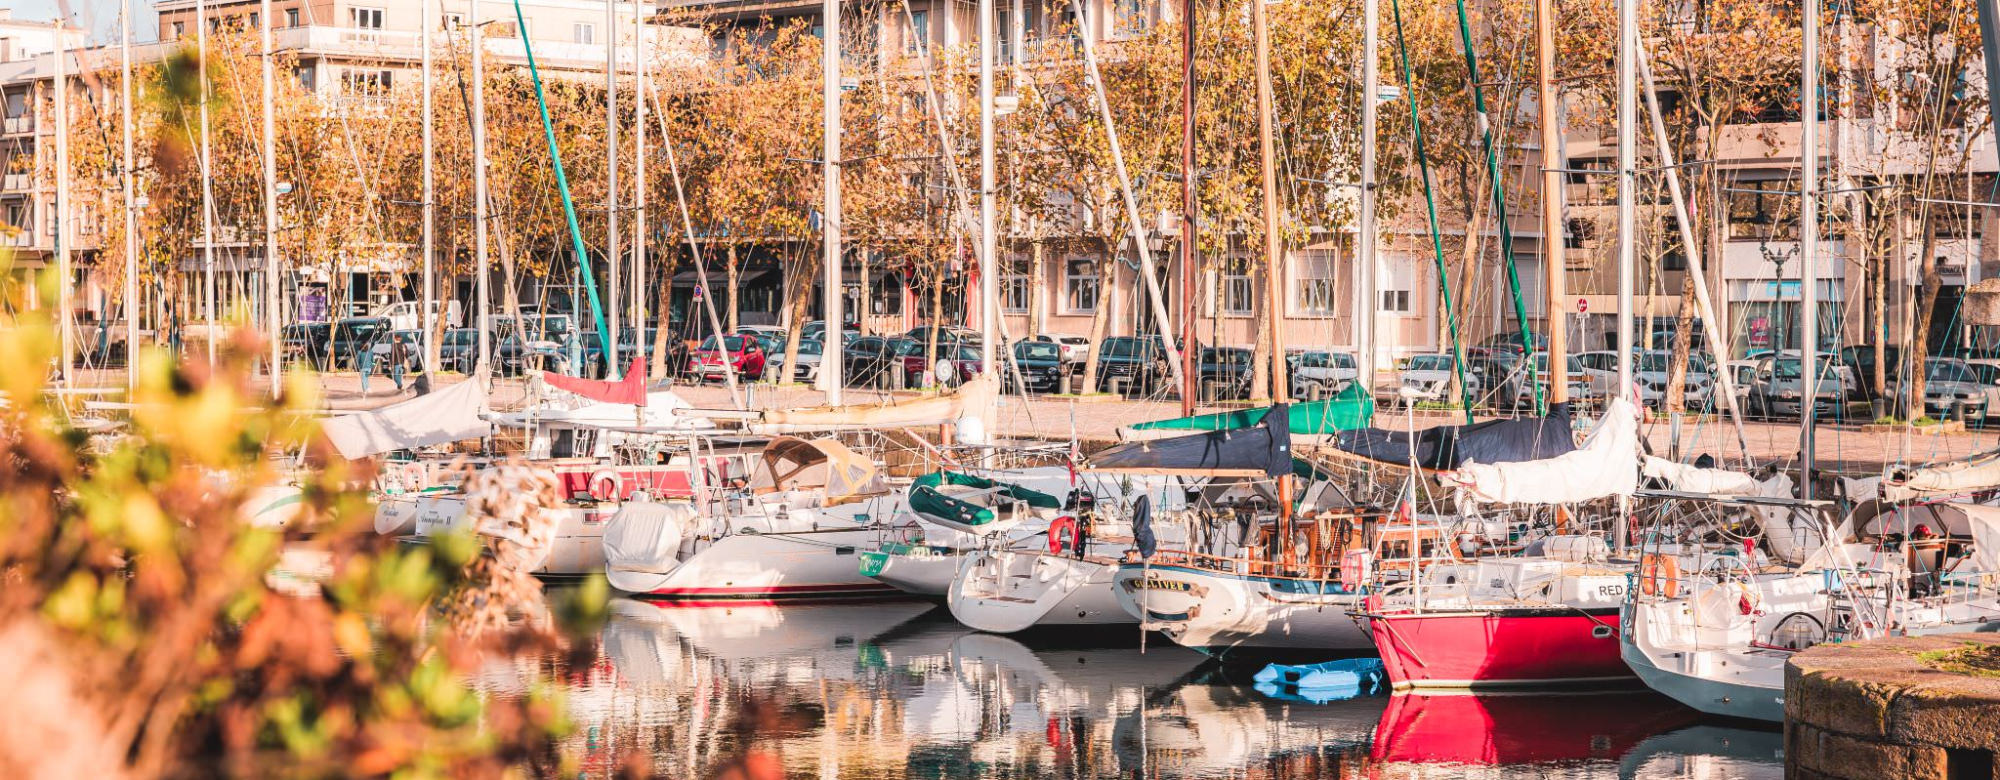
(16, 182)
(18, 124)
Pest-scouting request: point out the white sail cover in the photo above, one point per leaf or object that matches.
(977, 399)
(448, 415)
(664, 409)
(1606, 465)
(642, 543)
(1965, 476)
(1683, 477)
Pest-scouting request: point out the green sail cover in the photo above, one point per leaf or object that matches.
(1353, 407)
(1034, 498)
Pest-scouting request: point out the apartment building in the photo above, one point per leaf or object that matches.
(350, 55)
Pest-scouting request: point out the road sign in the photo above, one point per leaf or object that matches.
(1582, 305)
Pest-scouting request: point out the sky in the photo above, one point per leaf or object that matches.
(98, 16)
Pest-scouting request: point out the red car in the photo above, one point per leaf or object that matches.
(964, 360)
(744, 355)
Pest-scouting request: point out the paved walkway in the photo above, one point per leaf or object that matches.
(1842, 447)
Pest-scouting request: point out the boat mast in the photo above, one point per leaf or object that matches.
(1628, 47)
(131, 204)
(1809, 247)
(1553, 265)
(611, 258)
(428, 311)
(1370, 298)
(989, 298)
(207, 179)
(65, 306)
(1190, 254)
(479, 248)
(1273, 255)
(271, 282)
(830, 379)
(638, 297)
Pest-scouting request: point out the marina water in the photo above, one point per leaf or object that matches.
(900, 690)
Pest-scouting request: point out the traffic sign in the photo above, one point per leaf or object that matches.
(1582, 305)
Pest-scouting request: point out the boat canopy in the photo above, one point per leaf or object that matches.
(975, 398)
(1694, 479)
(1606, 465)
(1348, 410)
(1260, 449)
(792, 463)
(448, 415)
(1448, 447)
(1980, 472)
(1880, 518)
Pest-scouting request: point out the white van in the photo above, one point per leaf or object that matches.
(403, 314)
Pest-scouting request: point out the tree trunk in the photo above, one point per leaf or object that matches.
(1920, 342)
(1676, 400)
(735, 274)
(1100, 317)
(664, 333)
(797, 295)
(1038, 314)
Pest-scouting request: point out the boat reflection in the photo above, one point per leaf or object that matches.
(899, 690)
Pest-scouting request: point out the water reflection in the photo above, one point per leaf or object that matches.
(900, 690)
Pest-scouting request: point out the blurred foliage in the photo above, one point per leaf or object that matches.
(155, 627)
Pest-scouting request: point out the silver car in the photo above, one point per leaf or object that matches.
(1318, 374)
(1951, 382)
(1779, 382)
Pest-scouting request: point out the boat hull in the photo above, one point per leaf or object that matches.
(1510, 647)
(1008, 591)
(1220, 611)
(919, 570)
(769, 567)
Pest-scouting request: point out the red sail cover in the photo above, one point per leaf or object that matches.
(630, 390)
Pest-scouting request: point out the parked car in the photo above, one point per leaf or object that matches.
(738, 352)
(1950, 382)
(459, 351)
(864, 359)
(1317, 374)
(816, 330)
(945, 334)
(1522, 395)
(1779, 382)
(1651, 371)
(413, 341)
(1861, 360)
(402, 315)
(1139, 360)
(1040, 365)
(963, 359)
(1074, 349)
(513, 357)
(1488, 375)
(1224, 372)
(806, 367)
(306, 342)
(1427, 375)
(350, 336)
(1508, 343)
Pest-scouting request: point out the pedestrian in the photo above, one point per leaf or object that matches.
(364, 360)
(399, 359)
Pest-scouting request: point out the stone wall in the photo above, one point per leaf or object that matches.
(1885, 709)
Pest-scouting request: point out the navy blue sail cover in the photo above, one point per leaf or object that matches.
(1264, 448)
(1451, 446)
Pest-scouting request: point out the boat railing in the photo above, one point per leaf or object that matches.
(1297, 570)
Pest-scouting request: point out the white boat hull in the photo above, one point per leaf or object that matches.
(1217, 611)
(916, 569)
(763, 567)
(1012, 590)
(579, 541)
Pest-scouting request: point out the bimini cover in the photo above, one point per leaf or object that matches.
(1262, 449)
(1981, 472)
(1448, 447)
(448, 415)
(1606, 465)
(1880, 518)
(642, 543)
(1693, 479)
(792, 463)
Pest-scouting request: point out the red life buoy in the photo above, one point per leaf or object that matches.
(1065, 524)
(606, 485)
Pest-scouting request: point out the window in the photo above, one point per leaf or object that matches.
(365, 82)
(1129, 17)
(291, 17)
(366, 18)
(1237, 289)
(255, 22)
(1014, 288)
(1396, 301)
(1314, 289)
(1003, 28)
(584, 32)
(1080, 287)
(180, 29)
(454, 21)
(919, 35)
(305, 74)
(1763, 211)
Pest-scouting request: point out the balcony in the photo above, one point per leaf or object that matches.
(16, 182)
(16, 125)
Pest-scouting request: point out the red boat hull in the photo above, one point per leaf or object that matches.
(1502, 647)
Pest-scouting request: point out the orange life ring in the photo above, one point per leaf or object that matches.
(1058, 527)
(606, 485)
(1660, 575)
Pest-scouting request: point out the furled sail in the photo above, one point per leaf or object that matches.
(448, 415)
(1448, 447)
(975, 398)
(1694, 479)
(1263, 449)
(1606, 465)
